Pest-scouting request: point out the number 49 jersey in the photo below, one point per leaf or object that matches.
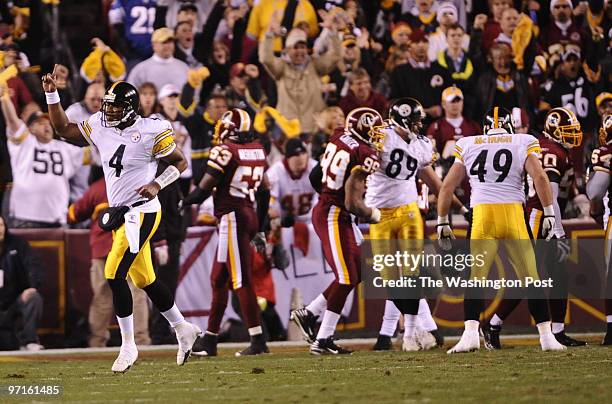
(240, 168)
(129, 156)
(343, 154)
(496, 166)
(394, 183)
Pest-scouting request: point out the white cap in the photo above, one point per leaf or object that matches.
(168, 90)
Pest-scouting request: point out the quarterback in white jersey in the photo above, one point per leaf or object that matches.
(292, 195)
(129, 147)
(496, 164)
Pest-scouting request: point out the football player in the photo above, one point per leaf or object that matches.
(130, 147)
(562, 132)
(392, 188)
(496, 164)
(598, 186)
(349, 158)
(236, 169)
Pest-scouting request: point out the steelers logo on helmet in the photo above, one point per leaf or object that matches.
(404, 110)
(365, 124)
(605, 132)
(120, 105)
(562, 125)
(497, 121)
(234, 125)
(407, 113)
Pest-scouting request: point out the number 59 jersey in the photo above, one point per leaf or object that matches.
(240, 168)
(343, 154)
(495, 165)
(129, 156)
(394, 183)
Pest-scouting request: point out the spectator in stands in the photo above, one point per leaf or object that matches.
(101, 311)
(297, 76)
(183, 50)
(327, 120)
(22, 278)
(42, 168)
(458, 63)
(353, 58)
(447, 18)
(492, 28)
(604, 103)
(408, 5)
(131, 27)
(169, 13)
(102, 65)
(562, 28)
(422, 16)
(419, 78)
(19, 93)
(148, 99)
(360, 94)
(244, 90)
(161, 68)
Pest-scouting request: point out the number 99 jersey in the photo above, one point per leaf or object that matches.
(343, 154)
(394, 183)
(496, 166)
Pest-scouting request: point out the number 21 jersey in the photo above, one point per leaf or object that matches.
(495, 165)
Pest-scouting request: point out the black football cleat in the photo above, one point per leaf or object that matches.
(563, 339)
(327, 347)
(491, 336)
(307, 322)
(608, 337)
(205, 345)
(383, 343)
(256, 348)
(438, 336)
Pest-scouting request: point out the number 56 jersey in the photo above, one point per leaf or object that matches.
(495, 165)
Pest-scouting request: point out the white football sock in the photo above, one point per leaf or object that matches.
(544, 328)
(496, 321)
(318, 305)
(173, 315)
(557, 327)
(426, 320)
(328, 325)
(390, 319)
(126, 325)
(609, 318)
(255, 331)
(410, 321)
(472, 325)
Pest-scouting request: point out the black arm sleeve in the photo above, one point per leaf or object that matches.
(263, 204)
(203, 46)
(315, 177)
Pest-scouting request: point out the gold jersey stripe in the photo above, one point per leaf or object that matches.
(162, 135)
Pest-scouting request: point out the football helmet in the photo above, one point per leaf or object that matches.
(408, 114)
(234, 125)
(605, 131)
(562, 126)
(120, 105)
(366, 124)
(497, 121)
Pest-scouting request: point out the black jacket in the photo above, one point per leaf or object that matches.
(22, 269)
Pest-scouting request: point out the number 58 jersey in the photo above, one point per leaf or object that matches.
(495, 165)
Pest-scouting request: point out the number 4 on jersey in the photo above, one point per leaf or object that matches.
(480, 163)
(115, 161)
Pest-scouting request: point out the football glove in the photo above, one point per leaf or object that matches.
(259, 242)
(563, 248)
(548, 223)
(445, 233)
(161, 254)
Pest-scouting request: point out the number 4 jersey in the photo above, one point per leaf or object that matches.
(496, 166)
(240, 168)
(394, 183)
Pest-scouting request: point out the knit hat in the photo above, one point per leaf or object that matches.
(553, 3)
(448, 8)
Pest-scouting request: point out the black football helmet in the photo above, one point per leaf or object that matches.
(120, 105)
(408, 114)
(498, 121)
(235, 126)
(562, 125)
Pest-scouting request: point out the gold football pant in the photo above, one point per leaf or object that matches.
(121, 262)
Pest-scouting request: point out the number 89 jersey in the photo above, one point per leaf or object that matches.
(343, 154)
(240, 168)
(496, 166)
(394, 183)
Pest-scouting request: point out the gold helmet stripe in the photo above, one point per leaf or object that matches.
(496, 118)
(110, 90)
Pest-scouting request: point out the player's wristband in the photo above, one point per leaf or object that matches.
(464, 210)
(169, 175)
(52, 98)
(375, 215)
(442, 220)
(549, 211)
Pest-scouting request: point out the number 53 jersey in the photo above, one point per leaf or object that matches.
(495, 165)
(129, 156)
(394, 183)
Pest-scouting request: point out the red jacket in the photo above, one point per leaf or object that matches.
(89, 207)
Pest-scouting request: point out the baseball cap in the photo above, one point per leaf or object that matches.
(35, 116)
(570, 50)
(418, 35)
(602, 97)
(294, 147)
(451, 93)
(167, 91)
(236, 70)
(162, 35)
(295, 36)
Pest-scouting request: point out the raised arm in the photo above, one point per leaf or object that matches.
(62, 126)
(8, 110)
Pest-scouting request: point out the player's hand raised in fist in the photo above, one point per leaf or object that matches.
(150, 190)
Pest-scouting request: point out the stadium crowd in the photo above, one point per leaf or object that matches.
(297, 67)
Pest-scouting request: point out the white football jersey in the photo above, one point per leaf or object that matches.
(129, 156)
(41, 172)
(394, 183)
(292, 196)
(495, 165)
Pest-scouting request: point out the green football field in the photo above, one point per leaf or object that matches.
(520, 373)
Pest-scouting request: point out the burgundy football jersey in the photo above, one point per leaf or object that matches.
(557, 164)
(342, 155)
(240, 169)
(601, 159)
